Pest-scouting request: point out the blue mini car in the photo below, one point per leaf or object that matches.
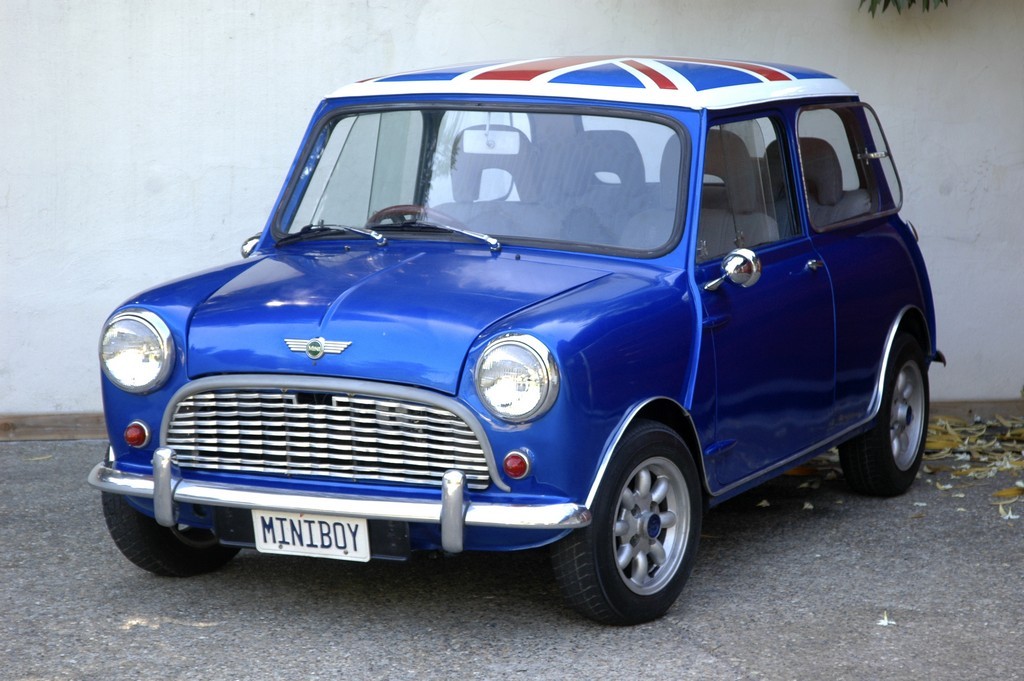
(571, 302)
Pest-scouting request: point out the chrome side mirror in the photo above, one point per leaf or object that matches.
(249, 245)
(741, 266)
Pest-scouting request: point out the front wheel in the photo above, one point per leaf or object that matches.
(167, 551)
(631, 563)
(884, 461)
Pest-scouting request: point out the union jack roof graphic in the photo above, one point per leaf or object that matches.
(678, 81)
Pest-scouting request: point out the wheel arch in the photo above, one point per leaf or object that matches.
(909, 321)
(666, 411)
(912, 322)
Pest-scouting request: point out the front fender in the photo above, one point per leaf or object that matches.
(619, 342)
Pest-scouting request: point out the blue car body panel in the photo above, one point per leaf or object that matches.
(411, 311)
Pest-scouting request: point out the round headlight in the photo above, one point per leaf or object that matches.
(516, 378)
(136, 351)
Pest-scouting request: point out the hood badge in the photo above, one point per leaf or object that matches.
(315, 348)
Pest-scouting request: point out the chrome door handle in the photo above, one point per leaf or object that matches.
(814, 265)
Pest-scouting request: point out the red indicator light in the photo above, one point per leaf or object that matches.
(136, 434)
(517, 465)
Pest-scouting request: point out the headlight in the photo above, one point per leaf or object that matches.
(516, 378)
(136, 351)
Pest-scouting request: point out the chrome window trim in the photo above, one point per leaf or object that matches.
(328, 385)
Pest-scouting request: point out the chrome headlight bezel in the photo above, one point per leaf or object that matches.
(536, 359)
(155, 335)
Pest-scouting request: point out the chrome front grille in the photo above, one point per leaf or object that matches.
(325, 435)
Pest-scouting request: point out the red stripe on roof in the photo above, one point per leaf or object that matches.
(766, 72)
(660, 79)
(532, 69)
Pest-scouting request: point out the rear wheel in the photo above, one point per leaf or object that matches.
(167, 551)
(884, 461)
(631, 563)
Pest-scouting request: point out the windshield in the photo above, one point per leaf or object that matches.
(570, 179)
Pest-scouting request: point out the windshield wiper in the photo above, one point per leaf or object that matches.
(489, 240)
(320, 229)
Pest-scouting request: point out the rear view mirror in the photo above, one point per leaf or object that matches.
(503, 142)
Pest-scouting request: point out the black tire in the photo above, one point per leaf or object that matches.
(631, 563)
(164, 551)
(884, 461)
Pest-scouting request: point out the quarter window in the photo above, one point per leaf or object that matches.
(848, 171)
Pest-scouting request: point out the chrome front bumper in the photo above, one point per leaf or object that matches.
(451, 510)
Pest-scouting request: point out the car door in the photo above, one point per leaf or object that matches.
(772, 334)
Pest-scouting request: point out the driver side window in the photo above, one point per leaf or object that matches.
(745, 199)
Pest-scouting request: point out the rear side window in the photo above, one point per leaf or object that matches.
(848, 172)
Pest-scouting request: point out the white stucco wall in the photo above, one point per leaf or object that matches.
(140, 141)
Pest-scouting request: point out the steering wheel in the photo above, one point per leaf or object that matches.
(397, 214)
(411, 212)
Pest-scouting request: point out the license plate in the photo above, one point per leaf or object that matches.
(310, 534)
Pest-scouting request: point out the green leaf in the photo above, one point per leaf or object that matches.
(900, 5)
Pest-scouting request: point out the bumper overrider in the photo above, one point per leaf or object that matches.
(451, 510)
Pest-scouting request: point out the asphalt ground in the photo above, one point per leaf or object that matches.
(798, 579)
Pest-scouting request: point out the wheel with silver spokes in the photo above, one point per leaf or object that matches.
(651, 527)
(631, 563)
(906, 427)
(884, 461)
